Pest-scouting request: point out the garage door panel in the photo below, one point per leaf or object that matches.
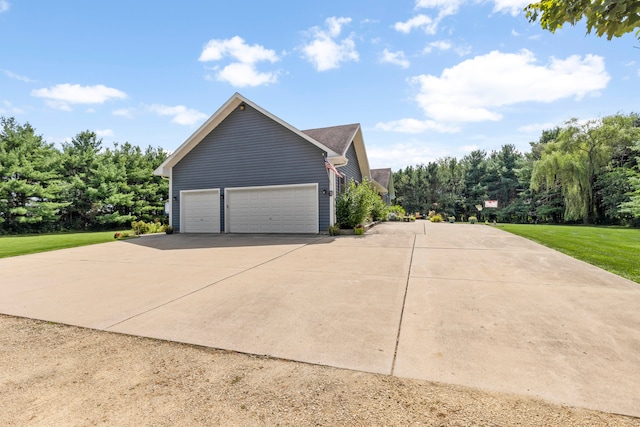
(278, 209)
(200, 211)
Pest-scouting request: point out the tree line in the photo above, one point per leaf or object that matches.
(82, 186)
(583, 172)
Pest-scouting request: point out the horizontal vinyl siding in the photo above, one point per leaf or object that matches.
(352, 169)
(249, 149)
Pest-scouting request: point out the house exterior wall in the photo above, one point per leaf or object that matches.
(352, 169)
(249, 149)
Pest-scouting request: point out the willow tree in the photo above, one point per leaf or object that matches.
(574, 160)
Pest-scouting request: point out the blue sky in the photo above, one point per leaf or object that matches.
(424, 78)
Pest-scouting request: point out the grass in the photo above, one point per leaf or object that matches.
(614, 249)
(33, 243)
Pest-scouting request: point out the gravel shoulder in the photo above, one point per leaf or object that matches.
(53, 374)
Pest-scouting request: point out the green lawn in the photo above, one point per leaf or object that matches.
(614, 249)
(29, 244)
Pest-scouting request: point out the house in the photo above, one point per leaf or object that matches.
(385, 178)
(247, 171)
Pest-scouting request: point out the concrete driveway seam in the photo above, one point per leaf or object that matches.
(404, 301)
(205, 287)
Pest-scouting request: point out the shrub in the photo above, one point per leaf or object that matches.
(334, 230)
(358, 230)
(139, 227)
(356, 204)
(452, 219)
(397, 210)
(168, 229)
(435, 218)
(473, 219)
(379, 209)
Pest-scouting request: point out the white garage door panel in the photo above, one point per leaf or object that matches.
(200, 211)
(278, 209)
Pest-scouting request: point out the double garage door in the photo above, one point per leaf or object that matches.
(272, 209)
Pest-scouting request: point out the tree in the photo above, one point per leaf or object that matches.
(581, 153)
(30, 185)
(606, 17)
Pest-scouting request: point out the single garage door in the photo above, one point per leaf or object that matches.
(272, 209)
(200, 211)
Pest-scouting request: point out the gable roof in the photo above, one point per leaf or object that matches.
(339, 139)
(212, 122)
(383, 177)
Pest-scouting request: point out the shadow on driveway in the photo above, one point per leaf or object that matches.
(206, 241)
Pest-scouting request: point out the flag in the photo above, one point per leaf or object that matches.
(331, 167)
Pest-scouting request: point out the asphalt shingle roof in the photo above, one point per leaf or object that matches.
(381, 176)
(337, 138)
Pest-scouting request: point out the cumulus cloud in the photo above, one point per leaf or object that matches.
(243, 70)
(60, 96)
(4, 6)
(180, 114)
(475, 89)
(397, 58)
(325, 51)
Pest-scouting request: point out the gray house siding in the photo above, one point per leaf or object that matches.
(352, 169)
(249, 149)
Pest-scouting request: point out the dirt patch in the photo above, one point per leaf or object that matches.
(54, 374)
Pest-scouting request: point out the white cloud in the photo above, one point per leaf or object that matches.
(324, 51)
(243, 72)
(104, 132)
(514, 7)
(4, 6)
(445, 7)
(15, 76)
(426, 23)
(7, 107)
(397, 58)
(60, 96)
(239, 74)
(398, 155)
(438, 44)
(415, 126)
(237, 48)
(181, 114)
(124, 112)
(472, 90)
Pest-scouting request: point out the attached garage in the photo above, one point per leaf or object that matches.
(272, 209)
(200, 211)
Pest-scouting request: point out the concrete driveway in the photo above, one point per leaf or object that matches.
(454, 303)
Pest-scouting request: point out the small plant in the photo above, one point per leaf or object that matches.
(358, 230)
(452, 219)
(168, 229)
(473, 220)
(435, 218)
(334, 230)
